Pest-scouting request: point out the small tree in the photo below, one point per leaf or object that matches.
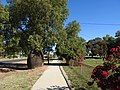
(71, 46)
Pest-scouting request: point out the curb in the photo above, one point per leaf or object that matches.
(66, 78)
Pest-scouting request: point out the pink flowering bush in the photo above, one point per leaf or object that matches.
(107, 75)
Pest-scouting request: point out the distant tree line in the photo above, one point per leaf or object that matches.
(100, 46)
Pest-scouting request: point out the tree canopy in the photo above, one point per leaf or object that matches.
(71, 45)
(37, 22)
(117, 34)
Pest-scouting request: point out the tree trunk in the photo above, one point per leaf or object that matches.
(48, 57)
(35, 59)
(29, 60)
(67, 61)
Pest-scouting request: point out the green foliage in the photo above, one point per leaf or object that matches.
(3, 13)
(72, 29)
(96, 46)
(109, 39)
(4, 27)
(117, 41)
(71, 44)
(37, 22)
(1, 43)
(117, 34)
(36, 42)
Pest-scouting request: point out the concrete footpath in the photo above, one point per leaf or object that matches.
(51, 79)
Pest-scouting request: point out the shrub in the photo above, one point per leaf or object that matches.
(107, 75)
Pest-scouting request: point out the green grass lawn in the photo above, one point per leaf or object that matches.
(17, 82)
(93, 62)
(20, 80)
(79, 76)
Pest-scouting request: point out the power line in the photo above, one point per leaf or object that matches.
(105, 24)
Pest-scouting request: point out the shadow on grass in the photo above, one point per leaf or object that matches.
(56, 64)
(62, 88)
(17, 66)
(52, 59)
(88, 57)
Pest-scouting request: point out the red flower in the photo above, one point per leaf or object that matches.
(115, 49)
(105, 73)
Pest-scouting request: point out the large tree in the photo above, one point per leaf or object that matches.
(37, 23)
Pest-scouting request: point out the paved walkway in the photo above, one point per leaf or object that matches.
(52, 79)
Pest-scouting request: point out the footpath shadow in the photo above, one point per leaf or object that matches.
(57, 88)
(17, 66)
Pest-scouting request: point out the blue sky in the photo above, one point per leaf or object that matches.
(94, 11)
